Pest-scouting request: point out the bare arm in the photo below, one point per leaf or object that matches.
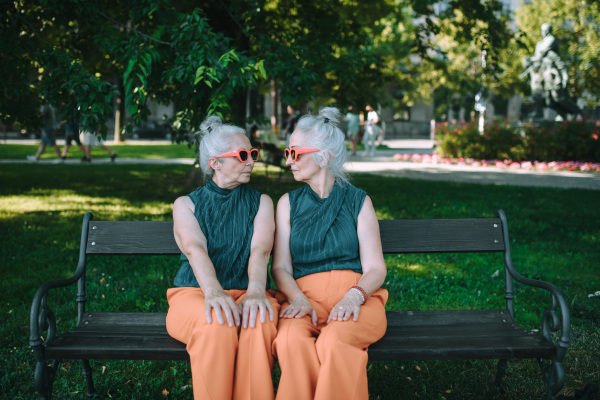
(282, 267)
(373, 264)
(191, 241)
(255, 301)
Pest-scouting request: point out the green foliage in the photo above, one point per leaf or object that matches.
(86, 54)
(501, 140)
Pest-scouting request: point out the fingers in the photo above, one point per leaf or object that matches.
(271, 311)
(223, 306)
(297, 310)
(253, 309)
(207, 309)
(343, 312)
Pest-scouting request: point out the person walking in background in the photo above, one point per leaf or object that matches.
(371, 131)
(293, 117)
(71, 125)
(353, 121)
(89, 140)
(48, 137)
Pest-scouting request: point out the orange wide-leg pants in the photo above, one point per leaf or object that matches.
(227, 362)
(328, 361)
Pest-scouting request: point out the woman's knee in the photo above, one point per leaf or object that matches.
(292, 333)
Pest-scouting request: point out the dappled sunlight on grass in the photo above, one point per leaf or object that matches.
(68, 203)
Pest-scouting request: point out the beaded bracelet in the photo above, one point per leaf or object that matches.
(362, 293)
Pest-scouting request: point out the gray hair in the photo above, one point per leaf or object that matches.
(214, 140)
(323, 132)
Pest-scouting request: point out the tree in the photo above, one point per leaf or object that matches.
(461, 47)
(321, 51)
(77, 52)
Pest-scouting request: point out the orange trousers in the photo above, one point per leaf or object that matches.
(328, 361)
(227, 362)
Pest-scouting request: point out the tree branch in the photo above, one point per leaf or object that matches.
(132, 29)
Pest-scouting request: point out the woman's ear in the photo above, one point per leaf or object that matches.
(322, 161)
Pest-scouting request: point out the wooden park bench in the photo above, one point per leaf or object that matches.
(411, 335)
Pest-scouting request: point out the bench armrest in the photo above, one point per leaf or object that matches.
(551, 320)
(41, 317)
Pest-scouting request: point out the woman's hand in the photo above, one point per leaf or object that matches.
(223, 304)
(250, 306)
(349, 305)
(298, 308)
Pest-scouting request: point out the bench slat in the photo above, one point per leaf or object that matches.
(397, 236)
(441, 235)
(131, 237)
(411, 335)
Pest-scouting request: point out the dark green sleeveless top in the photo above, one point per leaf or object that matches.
(323, 231)
(226, 218)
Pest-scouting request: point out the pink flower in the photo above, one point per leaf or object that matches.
(500, 164)
(397, 157)
(515, 165)
(526, 165)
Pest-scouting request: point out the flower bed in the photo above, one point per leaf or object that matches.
(503, 164)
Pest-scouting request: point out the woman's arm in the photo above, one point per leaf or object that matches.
(261, 245)
(282, 269)
(191, 241)
(371, 259)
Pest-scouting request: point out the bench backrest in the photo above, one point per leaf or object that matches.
(397, 236)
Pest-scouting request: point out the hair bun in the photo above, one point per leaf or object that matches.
(210, 123)
(330, 115)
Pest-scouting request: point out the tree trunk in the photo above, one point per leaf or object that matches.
(119, 115)
(274, 103)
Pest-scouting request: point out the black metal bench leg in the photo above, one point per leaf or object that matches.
(502, 365)
(44, 378)
(554, 377)
(89, 380)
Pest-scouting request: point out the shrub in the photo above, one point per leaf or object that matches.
(502, 140)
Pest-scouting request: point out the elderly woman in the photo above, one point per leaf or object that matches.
(329, 264)
(220, 307)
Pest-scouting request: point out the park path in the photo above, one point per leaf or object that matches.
(384, 164)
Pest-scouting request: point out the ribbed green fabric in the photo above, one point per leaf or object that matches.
(226, 218)
(323, 231)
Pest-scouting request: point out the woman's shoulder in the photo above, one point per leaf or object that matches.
(293, 194)
(353, 191)
(194, 195)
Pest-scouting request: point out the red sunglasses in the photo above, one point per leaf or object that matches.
(294, 153)
(241, 154)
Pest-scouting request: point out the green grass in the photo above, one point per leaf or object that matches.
(555, 236)
(158, 151)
